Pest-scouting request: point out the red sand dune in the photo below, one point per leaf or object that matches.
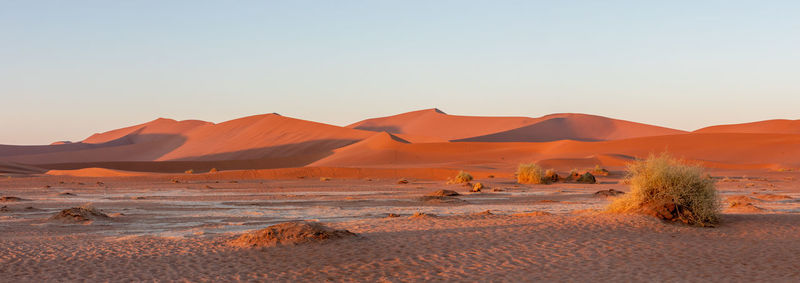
(716, 150)
(94, 172)
(249, 138)
(420, 139)
(435, 125)
(762, 127)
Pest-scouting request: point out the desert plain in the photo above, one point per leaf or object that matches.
(172, 197)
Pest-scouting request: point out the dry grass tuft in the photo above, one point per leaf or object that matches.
(213, 170)
(670, 189)
(530, 173)
(460, 178)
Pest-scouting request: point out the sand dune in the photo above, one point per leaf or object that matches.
(249, 138)
(432, 124)
(15, 168)
(764, 127)
(716, 150)
(420, 139)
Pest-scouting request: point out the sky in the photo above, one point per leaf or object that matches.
(72, 68)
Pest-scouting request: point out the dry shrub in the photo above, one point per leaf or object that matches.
(530, 173)
(461, 177)
(190, 171)
(213, 170)
(599, 171)
(670, 189)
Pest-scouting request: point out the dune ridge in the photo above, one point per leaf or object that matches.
(427, 138)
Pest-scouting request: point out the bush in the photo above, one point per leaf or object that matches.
(213, 170)
(461, 177)
(190, 171)
(530, 173)
(670, 189)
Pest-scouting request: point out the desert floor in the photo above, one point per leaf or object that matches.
(168, 231)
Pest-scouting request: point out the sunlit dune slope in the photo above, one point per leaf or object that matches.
(434, 125)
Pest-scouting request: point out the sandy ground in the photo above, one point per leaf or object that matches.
(167, 231)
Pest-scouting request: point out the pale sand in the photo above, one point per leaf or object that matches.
(177, 231)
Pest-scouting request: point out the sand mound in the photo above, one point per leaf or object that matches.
(443, 193)
(421, 215)
(533, 213)
(741, 199)
(669, 212)
(608, 193)
(290, 233)
(440, 200)
(11, 199)
(79, 214)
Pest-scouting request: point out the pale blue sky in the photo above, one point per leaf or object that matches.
(72, 68)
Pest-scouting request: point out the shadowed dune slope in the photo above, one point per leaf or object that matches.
(764, 127)
(715, 150)
(249, 138)
(434, 125)
(9, 167)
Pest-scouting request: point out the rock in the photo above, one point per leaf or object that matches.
(402, 181)
(290, 233)
(79, 214)
(608, 193)
(443, 193)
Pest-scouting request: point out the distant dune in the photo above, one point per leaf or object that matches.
(435, 125)
(762, 127)
(420, 139)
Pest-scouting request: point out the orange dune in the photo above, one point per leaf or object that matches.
(434, 125)
(716, 150)
(249, 138)
(420, 139)
(764, 127)
(94, 172)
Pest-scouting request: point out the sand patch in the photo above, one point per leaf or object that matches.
(771, 197)
(422, 215)
(744, 207)
(532, 213)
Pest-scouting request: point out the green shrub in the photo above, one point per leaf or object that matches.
(530, 173)
(670, 189)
